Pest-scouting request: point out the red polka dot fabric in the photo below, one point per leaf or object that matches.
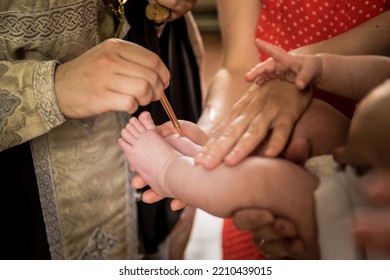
(291, 24)
(238, 245)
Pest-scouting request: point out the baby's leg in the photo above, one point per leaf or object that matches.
(181, 144)
(172, 174)
(275, 184)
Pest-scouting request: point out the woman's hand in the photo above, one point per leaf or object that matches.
(276, 238)
(264, 115)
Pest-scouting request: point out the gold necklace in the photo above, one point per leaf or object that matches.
(117, 10)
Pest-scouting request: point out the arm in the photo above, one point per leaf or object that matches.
(173, 174)
(238, 26)
(29, 106)
(113, 76)
(367, 38)
(348, 76)
(277, 105)
(353, 76)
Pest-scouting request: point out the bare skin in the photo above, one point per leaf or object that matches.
(113, 76)
(325, 71)
(231, 140)
(171, 173)
(120, 76)
(311, 139)
(275, 107)
(367, 145)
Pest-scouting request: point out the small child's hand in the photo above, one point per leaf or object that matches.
(299, 69)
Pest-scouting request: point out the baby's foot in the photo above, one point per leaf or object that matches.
(148, 153)
(182, 144)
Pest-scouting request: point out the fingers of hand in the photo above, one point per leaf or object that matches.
(341, 155)
(273, 51)
(251, 219)
(262, 72)
(120, 94)
(279, 136)
(282, 62)
(150, 196)
(115, 75)
(177, 204)
(305, 75)
(255, 133)
(277, 110)
(223, 145)
(285, 228)
(138, 182)
(212, 154)
(194, 133)
(133, 53)
(138, 80)
(281, 249)
(178, 7)
(261, 244)
(123, 56)
(278, 230)
(276, 238)
(233, 130)
(284, 105)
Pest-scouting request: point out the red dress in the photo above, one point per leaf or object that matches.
(292, 24)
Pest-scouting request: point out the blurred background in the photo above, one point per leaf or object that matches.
(205, 13)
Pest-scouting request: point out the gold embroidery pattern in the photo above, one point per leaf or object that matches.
(99, 246)
(8, 104)
(40, 150)
(46, 95)
(46, 25)
(99, 175)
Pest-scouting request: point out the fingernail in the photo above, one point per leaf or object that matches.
(209, 158)
(269, 152)
(231, 156)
